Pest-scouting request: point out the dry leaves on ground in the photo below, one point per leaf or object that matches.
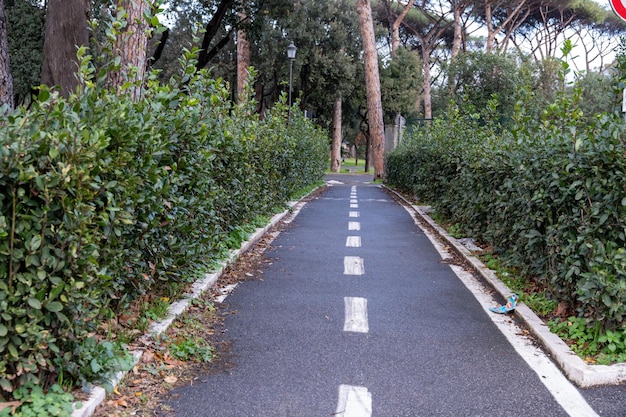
(145, 389)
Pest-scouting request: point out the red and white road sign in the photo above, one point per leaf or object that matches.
(619, 8)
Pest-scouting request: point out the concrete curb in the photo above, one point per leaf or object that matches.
(98, 394)
(576, 370)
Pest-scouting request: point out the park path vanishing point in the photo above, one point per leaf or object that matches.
(357, 314)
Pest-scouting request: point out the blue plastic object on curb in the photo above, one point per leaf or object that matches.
(509, 306)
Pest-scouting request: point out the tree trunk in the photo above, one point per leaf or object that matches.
(458, 28)
(211, 30)
(243, 59)
(491, 35)
(335, 150)
(427, 89)
(6, 80)
(395, 28)
(368, 152)
(131, 46)
(66, 29)
(372, 87)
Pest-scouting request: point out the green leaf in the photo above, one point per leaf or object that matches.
(579, 195)
(603, 218)
(578, 144)
(13, 351)
(3, 330)
(39, 182)
(56, 290)
(34, 303)
(33, 260)
(95, 366)
(62, 317)
(41, 274)
(6, 385)
(44, 94)
(54, 306)
(35, 242)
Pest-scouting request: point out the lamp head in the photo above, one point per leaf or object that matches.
(291, 51)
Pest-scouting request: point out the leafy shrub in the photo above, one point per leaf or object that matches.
(103, 198)
(548, 195)
(51, 289)
(475, 78)
(94, 362)
(35, 403)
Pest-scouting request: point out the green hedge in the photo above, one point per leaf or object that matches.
(549, 196)
(103, 198)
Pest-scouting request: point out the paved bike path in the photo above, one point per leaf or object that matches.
(377, 328)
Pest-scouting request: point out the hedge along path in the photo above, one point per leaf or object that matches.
(549, 196)
(577, 370)
(103, 198)
(177, 308)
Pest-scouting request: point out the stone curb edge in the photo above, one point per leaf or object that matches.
(577, 371)
(98, 394)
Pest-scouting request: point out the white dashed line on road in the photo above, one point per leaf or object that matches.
(353, 242)
(353, 265)
(355, 315)
(354, 226)
(354, 402)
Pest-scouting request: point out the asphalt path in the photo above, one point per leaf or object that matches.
(357, 315)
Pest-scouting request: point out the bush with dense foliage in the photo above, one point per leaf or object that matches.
(549, 196)
(474, 78)
(102, 199)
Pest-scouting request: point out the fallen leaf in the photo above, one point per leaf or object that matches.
(561, 310)
(173, 362)
(121, 402)
(171, 379)
(148, 356)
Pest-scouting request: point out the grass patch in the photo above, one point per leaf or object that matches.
(349, 166)
(304, 192)
(185, 341)
(454, 229)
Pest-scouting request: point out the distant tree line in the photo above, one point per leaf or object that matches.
(430, 51)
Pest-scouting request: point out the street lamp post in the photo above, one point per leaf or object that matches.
(291, 54)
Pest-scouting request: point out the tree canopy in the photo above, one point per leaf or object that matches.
(329, 57)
